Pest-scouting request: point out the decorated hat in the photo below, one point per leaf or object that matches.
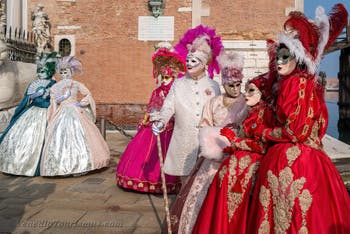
(48, 61)
(308, 39)
(203, 43)
(173, 60)
(231, 66)
(69, 62)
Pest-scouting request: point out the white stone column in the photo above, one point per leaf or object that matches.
(13, 13)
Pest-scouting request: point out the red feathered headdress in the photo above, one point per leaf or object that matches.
(191, 41)
(308, 39)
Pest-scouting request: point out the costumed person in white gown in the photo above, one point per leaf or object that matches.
(226, 110)
(74, 144)
(187, 97)
(22, 141)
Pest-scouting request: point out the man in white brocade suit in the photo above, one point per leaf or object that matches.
(187, 97)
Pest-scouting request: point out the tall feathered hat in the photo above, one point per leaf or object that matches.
(203, 43)
(163, 56)
(308, 39)
(48, 61)
(69, 62)
(231, 66)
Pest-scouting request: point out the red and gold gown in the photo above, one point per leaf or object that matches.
(225, 209)
(298, 189)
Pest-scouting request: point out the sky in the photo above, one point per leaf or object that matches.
(330, 63)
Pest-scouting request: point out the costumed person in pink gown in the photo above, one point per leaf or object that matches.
(73, 143)
(225, 208)
(228, 109)
(139, 166)
(298, 188)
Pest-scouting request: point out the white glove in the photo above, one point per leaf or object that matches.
(154, 116)
(63, 97)
(157, 127)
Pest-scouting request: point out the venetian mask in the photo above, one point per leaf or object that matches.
(194, 66)
(65, 73)
(286, 62)
(291, 32)
(233, 89)
(167, 75)
(252, 94)
(42, 72)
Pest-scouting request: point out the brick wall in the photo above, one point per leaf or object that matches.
(117, 67)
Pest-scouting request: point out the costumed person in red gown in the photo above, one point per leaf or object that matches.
(225, 209)
(298, 189)
(227, 109)
(139, 167)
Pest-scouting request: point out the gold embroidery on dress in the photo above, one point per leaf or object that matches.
(285, 190)
(242, 145)
(222, 174)
(292, 154)
(265, 200)
(276, 133)
(305, 129)
(244, 163)
(305, 200)
(234, 199)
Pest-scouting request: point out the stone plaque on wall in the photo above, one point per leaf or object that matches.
(156, 29)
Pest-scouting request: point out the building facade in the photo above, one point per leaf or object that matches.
(115, 39)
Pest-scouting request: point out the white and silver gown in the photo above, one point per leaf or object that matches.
(22, 142)
(73, 142)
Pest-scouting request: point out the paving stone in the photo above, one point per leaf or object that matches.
(146, 230)
(11, 211)
(8, 225)
(64, 215)
(90, 185)
(110, 219)
(151, 219)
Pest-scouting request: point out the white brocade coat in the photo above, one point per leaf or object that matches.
(185, 100)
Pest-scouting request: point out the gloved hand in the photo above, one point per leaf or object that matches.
(63, 97)
(228, 133)
(37, 94)
(157, 127)
(154, 115)
(78, 104)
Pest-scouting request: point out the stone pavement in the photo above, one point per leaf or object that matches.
(86, 204)
(93, 203)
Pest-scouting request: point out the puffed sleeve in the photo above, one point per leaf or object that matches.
(298, 110)
(207, 114)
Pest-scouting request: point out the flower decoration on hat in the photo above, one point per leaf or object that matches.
(308, 39)
(204, 44)
(171, 62)
(231, 66)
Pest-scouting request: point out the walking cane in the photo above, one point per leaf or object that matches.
(165, 194)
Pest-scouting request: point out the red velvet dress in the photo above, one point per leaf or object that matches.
(298, 189)
(225, 209)
(139, 168)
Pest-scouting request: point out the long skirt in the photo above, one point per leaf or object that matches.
(139, 167)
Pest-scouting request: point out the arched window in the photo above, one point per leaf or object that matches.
(64, 47)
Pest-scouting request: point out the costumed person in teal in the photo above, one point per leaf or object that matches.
(22, 141)
(73, 145)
